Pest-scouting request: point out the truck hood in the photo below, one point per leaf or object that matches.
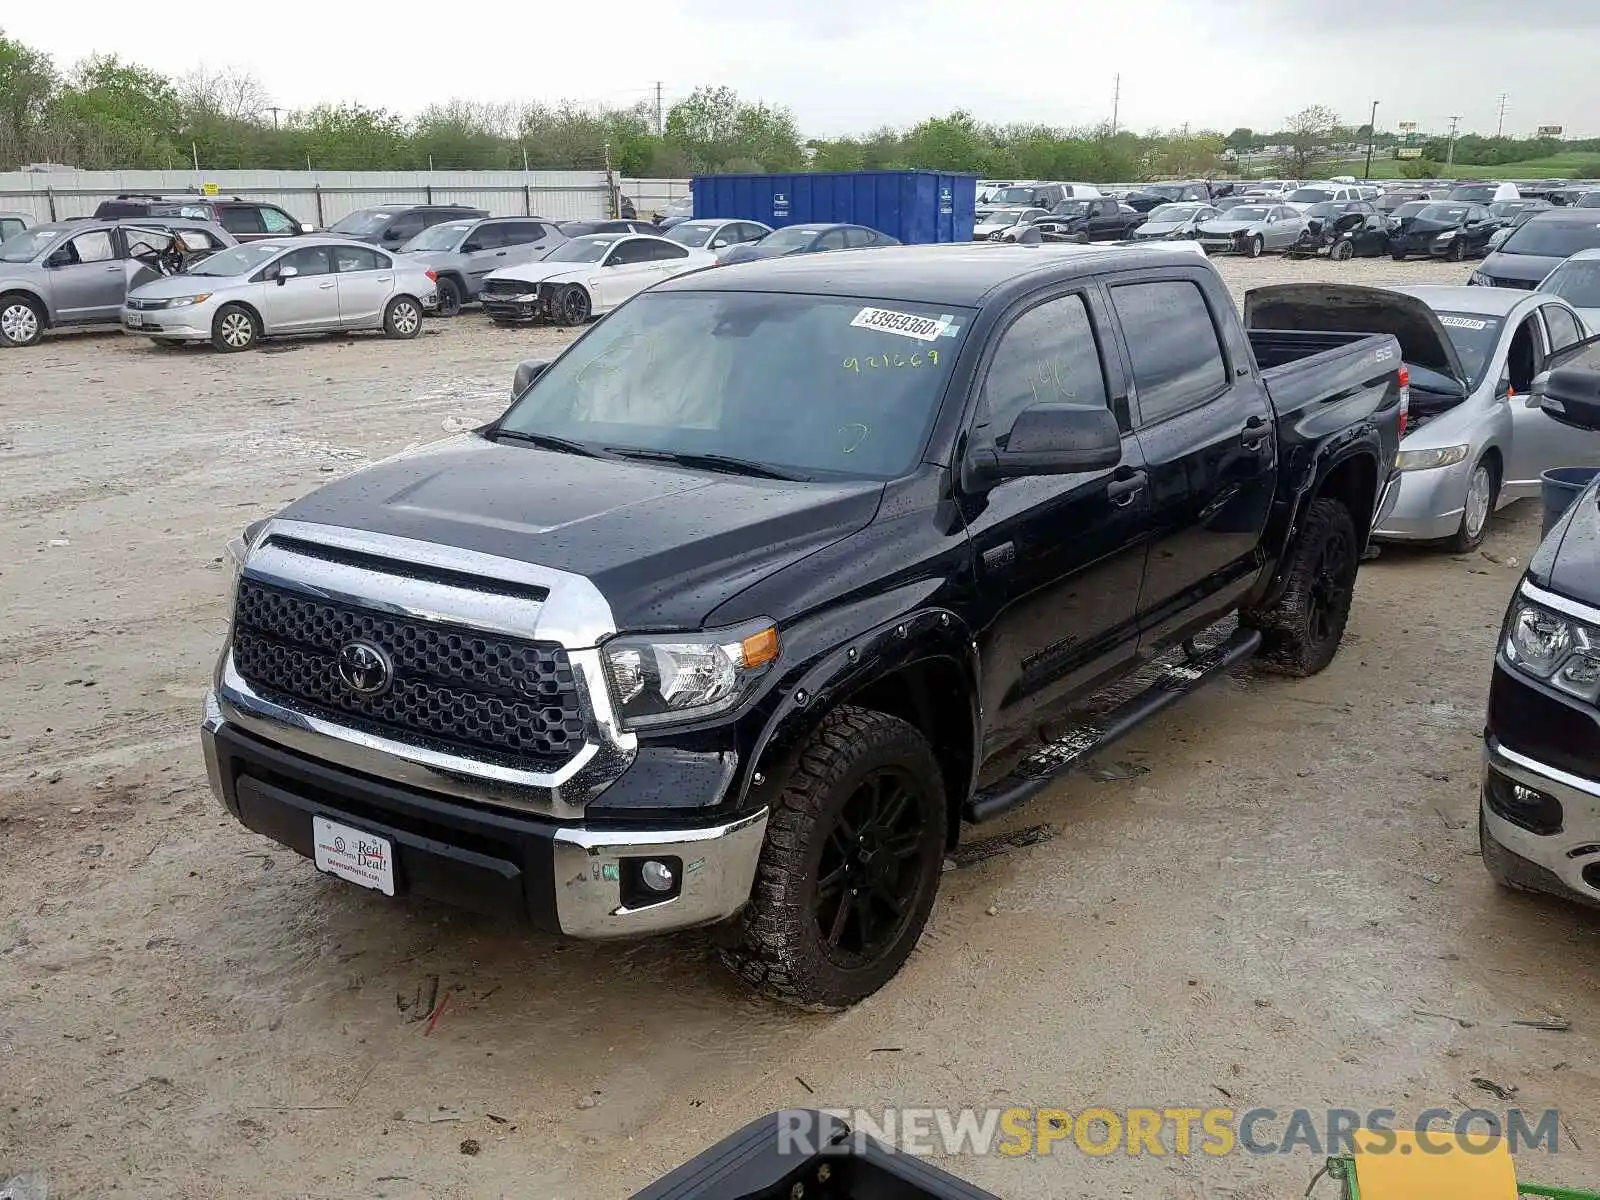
(665, 545)
(1349, 308)
(1568, 562)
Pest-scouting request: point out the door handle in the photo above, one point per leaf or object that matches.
(385, 278)
(499, 253)
(1122, 491)
(324, 286)
(1256, 430)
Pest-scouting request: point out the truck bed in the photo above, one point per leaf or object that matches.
(1302, 368)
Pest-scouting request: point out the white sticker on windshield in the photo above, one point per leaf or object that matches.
(886, 320)
(1462, 323)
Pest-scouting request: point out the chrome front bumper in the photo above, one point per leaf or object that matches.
(1567, 853)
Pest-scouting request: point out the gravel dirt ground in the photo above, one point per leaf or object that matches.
(1282, 906)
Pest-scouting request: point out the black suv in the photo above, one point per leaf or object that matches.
(1539, 820)
(247, 220)
(396, 224)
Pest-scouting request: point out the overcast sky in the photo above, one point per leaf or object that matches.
(846, 66)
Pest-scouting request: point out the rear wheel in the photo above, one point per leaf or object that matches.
(850, 865)
(21, 321)
(234, 328)
(1302, 631)
(449, 297)
(403, 318)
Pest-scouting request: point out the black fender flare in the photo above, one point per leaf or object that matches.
(1362, 442)
(931, 636)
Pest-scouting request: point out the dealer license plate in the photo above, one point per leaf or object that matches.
(353, 855)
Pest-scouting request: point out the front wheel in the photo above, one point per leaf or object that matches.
(1342, 251)
(572, 306)
(449, 297)
(234, 329)
(850, 865)
(1302, 631)
(21, 322)
(1255, 246)
(1397, 257)
(1457, 251)
(402, 319)
(1482, 487)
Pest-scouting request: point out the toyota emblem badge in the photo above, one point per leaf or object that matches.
(365, 669)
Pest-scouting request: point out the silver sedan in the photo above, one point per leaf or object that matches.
(1250, 229)
(273, 288)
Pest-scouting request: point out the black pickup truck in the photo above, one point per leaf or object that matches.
(772, 580)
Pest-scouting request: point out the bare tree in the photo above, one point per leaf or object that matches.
(229, 94)
(1309, 133)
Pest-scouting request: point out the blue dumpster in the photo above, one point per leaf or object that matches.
(914, 206)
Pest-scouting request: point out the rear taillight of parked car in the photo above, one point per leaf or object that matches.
(1405, 398)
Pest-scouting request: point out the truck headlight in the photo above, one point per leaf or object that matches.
(666, 678)
(238, 550)
(1550, 646)
(1427, 460)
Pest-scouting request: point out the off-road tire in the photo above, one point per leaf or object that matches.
(449, 296)
(1302, 631)
(402, 318)
(1463, 541)
(18, 331)
(780, 948)
(235, 329)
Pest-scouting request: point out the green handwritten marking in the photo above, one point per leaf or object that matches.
(866, 431)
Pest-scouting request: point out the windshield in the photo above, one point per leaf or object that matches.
(1172, 212)
(237, 260)
(692, 235)
(362, 222)
(1333, 208)
(1474, 337)
(1001, 217)
(814, 384)
(440, 237)
(1453, 214)
(1247, 212)
(1553, 239)
(1012, 195)
(1588, 200)
(581, 250)
(1410, 209)
(1071, 208)
(1575, 281)
(795, 237)
(24, 246)
(1309, 196)
(1475, 192)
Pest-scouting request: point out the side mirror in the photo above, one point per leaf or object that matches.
(527, 371)
(1571, 396)
(1049, 439)
(286, 273)
(471, 247)
(61, 258)
(719, 243)
(1535, 396)
(391, 235)
(307, 227)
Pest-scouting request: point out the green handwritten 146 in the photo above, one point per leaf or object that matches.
(893, 360)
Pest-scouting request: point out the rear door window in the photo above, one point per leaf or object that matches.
(1173, 347)
(240, 219)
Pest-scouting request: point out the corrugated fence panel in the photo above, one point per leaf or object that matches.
(322, 197)
(653, 195)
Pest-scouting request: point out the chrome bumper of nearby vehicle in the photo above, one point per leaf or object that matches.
(1427, 504)
(1567, 853)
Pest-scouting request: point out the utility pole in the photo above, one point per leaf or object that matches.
(1116, 101)
(660, 128)
(274, 110)
(1450, 154)
(1372, 137)
(1500, 124)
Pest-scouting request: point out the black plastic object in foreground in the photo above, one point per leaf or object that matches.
(832, 1163)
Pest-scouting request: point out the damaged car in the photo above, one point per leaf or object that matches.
(1098, 220)
(1004, 224)
(1343, 229)
(1449, 231)
(1174, 221)
(585, 277)
(1252, 229)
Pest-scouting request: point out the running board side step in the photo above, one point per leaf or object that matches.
(1055, 758)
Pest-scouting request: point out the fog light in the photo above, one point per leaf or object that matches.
(656, 876)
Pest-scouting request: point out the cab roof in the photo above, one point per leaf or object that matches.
(962, 274)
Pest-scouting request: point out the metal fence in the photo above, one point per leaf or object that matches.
(322, 197)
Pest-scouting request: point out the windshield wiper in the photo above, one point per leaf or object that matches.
(548, 441)
(711, 462)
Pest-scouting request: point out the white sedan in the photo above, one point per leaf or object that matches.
(586, 277)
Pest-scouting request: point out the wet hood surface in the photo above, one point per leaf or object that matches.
(1569, 562)
(664, 544)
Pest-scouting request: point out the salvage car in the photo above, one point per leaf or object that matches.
(576, 229)
(1539, 811)
(1306, 195)
(1472, 443)
(1173, 221)
(311, 284)
(393, 225)
(713, 235)
(1252, 229)
(78, 272)
(1003, 224)
(806, 239)
(1343, 229)
(1153, 195)
(1482, 193)
(586, 277)
(767, 584)
(1512, 215)
(1543, 243)
(1097, 220)
(1577, 281)
(1443, 230)
(462, 253)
